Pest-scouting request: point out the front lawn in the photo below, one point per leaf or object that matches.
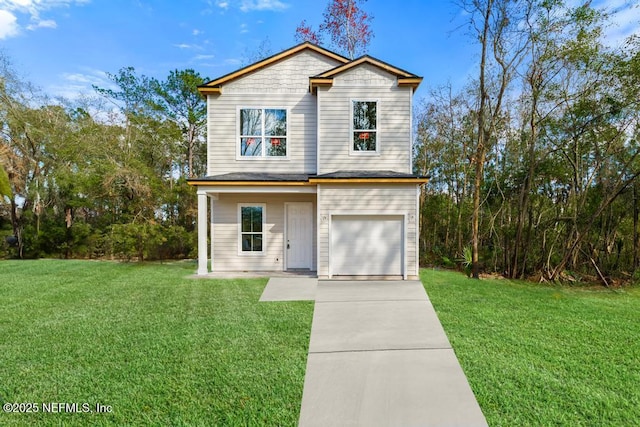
(543, 355)
(154, 346)
(161, 349)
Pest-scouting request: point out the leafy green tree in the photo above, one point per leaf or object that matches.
(177, 99)
(5, 187)
(559, 177)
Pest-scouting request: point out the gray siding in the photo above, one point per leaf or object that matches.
(281, 85)
(394, 122)
(367, 199)
(225, 231)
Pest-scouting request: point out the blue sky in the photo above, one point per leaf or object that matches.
(65, 46)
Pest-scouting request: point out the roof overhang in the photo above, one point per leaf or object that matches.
(416, 180)
(209, 90)
(209, 183)
(413, 82)
(302, 180)
(404, 78)
(314, 82)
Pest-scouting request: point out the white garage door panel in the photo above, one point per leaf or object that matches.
(366, 245)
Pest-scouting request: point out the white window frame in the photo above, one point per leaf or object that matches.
(264, 224)
(352, 130)
(239, 155)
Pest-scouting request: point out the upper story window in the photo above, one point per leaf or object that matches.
(263, 132)
(365, 126)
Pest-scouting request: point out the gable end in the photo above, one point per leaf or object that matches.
(404, 78)
(215, 86)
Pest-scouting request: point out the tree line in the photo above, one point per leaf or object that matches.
(535, 162)
(104, 175)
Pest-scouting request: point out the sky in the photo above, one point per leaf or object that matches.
(66, 46)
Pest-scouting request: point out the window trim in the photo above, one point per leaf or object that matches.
(263, 252)
(239, 155)
(352, 151)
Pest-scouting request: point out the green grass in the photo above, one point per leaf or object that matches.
(159, 348)
(540, 355)
(162, 349)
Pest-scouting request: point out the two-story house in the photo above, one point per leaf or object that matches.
(310, 168)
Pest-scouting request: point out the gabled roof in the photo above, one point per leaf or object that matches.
(405, 78)
(214, 86)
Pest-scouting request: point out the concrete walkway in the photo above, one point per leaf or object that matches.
(378, 356)
(290, 289)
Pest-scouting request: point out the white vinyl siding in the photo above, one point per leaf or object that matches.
(367, 199)
(284, 84)
(393, 121)
(226, 229)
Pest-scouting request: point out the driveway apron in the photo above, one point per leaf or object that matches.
(378, 356)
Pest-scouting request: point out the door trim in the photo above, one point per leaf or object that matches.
(286, 235)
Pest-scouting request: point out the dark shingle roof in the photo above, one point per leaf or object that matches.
(254, 176)
(300, 177)
(366, 174)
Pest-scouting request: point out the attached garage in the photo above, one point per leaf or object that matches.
(367, 245)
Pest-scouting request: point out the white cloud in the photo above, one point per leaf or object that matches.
(203, 57)
(40, 5)
(16, 3)
(47, 23)
(183, 46)
(94, 77)
(196, 32)
(12, 10)
(243, 28)
(250, 5)
(222, 4)
(8, 25)
(76, 85)
(625, 20)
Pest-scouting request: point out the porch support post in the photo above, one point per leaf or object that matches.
(202, 234)
(212, 199)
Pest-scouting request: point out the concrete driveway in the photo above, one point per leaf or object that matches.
(378, 356)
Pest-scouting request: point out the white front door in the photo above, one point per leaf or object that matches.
(299, 235)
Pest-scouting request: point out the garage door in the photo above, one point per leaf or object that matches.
(368, 245)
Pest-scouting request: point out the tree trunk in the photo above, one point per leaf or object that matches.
(524, 192)
(477, 188)
(480, 148)
(573, 246)
(635, 226)
(17, 227)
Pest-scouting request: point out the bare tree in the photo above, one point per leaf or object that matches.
(496, 25)
(346, 23)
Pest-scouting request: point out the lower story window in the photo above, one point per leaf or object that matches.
(252, 219)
